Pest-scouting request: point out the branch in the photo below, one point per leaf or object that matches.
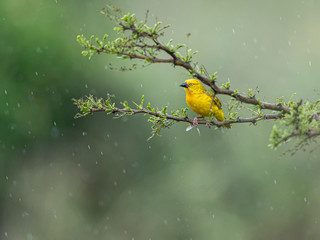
(91, 105)
(139, 41)
(130, 48)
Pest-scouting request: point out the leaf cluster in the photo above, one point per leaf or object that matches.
(142, 42)
(302, 123)
(159, 119)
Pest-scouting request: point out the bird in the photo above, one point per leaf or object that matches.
(202, 102)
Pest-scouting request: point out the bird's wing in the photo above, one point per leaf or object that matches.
(215, 100)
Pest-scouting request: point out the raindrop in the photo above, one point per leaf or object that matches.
(89, 147)
(178, 219)
(54, 123)
(86, 86)
(305, 199)
(5, 92)
(115, 183)
(7, 104)
(18, 105)
(7, 178)
(106, 67)
(289, 43)
(280, 18)
(116, 144)
(165, 222)
(141, 85)
(37, 74)
(54, 132)
(25, 214)
(84, 133)
(101, 203)
(275, 181)
(38, 49)
(244, 44)
(233, 31)
(124, 171)
(271, 208)
(309, 63)
(212, 216)
(101, 153)
(6, 234)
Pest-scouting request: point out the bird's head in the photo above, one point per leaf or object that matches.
(193, 85)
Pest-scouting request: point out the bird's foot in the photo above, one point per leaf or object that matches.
(195, 122)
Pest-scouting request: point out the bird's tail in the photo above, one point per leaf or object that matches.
(229, 125)
(221, 118)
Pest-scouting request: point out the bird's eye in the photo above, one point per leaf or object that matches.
(190, 84)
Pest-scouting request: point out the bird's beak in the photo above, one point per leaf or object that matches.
(185, 85)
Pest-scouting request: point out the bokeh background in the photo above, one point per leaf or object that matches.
(98, 178)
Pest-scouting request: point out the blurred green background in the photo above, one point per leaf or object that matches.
(98, 178)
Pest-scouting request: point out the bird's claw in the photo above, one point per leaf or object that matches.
(195, 122)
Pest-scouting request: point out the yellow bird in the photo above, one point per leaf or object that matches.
(202, 102)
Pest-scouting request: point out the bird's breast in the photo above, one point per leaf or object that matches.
(199, 103)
